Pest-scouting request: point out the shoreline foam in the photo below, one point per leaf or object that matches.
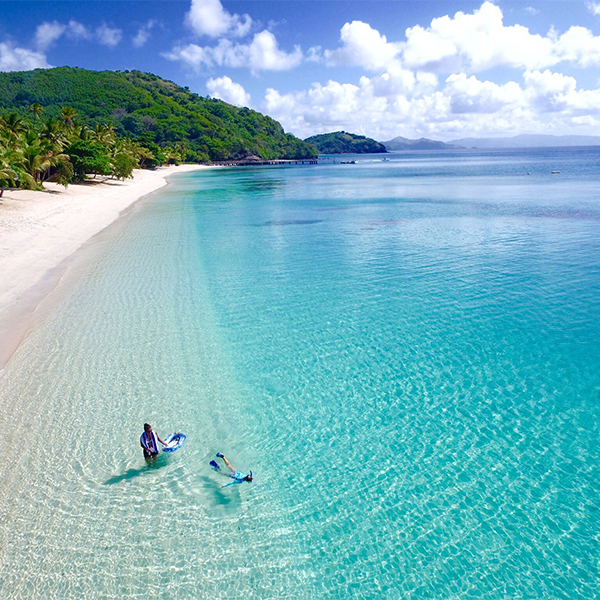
(40, 231)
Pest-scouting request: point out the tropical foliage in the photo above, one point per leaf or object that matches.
(341, 142)
(158, 115)
(34, 151)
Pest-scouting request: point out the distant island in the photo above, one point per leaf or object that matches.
(341, 142)
(402, 143)
(530, 141)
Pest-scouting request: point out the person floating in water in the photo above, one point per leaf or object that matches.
(237, 476)
(149, 442)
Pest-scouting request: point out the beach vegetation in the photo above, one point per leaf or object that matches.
(66, 124)
(161, 116)
(7, 173)
(88, 157)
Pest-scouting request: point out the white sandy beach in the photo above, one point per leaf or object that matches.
(40, 230)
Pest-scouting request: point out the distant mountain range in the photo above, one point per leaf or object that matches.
(518, 141)
(529, 141)
(402, 143)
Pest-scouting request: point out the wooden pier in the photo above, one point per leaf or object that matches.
(259, 162)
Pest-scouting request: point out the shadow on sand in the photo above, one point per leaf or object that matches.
(222, 499)
(133, 473)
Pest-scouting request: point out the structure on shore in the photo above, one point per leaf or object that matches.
(254, 161)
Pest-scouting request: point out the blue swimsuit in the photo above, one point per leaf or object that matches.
(238, 477)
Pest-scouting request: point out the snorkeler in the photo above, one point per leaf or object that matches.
(237, 476)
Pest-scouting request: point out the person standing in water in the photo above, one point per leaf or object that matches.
(149, 442)
(237, 476)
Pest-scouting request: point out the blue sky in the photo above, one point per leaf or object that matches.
(439, 69)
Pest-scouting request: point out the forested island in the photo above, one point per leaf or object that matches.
(341, 142)
(65, 122)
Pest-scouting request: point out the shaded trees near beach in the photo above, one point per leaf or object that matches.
(35, 151)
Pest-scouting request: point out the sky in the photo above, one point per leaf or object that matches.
(441, 69)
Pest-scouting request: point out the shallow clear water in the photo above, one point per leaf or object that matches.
(406, 353)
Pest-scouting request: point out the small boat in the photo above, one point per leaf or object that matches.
(555, 172)
(348, 162)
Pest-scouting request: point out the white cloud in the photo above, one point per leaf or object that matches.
(549, 92)
(208, 17)
(469, 95)
(475, 42)
(47, 33)
(363, 46)
(108, 36)
(546, 102)
(262, 54)
(389, 85)
(467, 42)
(531, 10)
(76, 30)
(20, 59)
(225, 89)
(328, 107)
(143, 34)
(265, 55)
(314, 54)
(579, 45)
(593, 7)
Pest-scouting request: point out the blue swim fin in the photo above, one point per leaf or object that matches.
(214, 465)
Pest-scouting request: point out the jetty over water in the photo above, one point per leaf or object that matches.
(256, 161)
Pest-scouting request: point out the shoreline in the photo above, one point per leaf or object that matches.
(41, 230)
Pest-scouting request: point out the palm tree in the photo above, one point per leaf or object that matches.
(67, 115)
(53, 133)
(9, 161)
(84, 133)
(104, 134)
(7, 175)
(145, 155)
(12, 126)
(37, 110)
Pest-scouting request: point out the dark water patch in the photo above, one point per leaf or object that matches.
(377, 223)
(289, 222)
(337, 208)
(261, 185)
(575, 214)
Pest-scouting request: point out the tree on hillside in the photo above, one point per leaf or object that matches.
(12, 126)
(67, 114)
(36, 110)
(53, 132)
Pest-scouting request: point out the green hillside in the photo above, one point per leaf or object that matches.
(341, 142)
(150, 110)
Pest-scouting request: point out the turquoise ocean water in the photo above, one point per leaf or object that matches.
(406, 354)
